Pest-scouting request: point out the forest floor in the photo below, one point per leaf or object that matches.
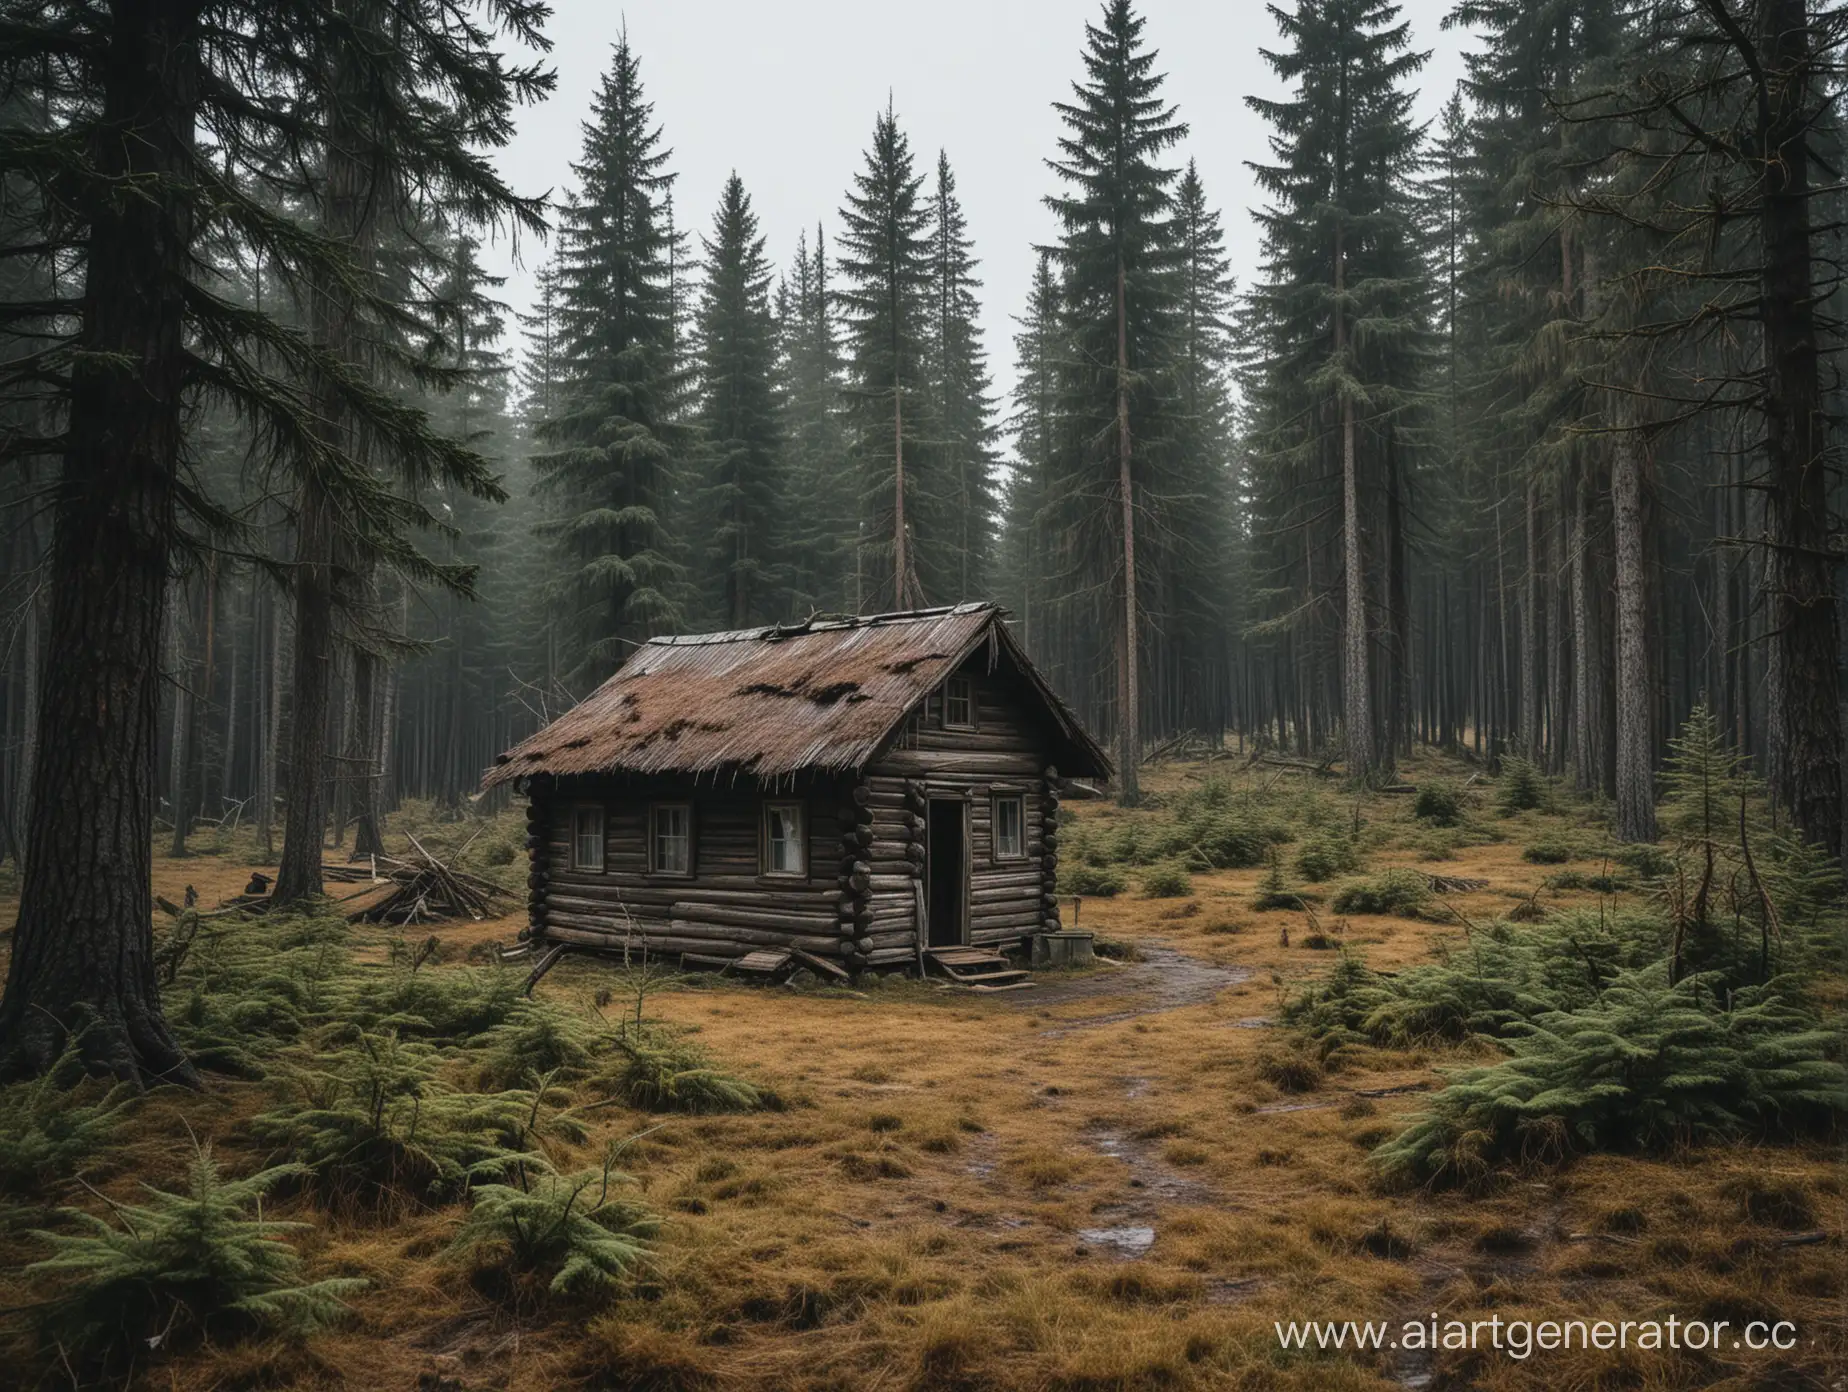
(1086, 1185)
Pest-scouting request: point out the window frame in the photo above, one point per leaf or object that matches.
(949, 688)
(578, 809)
(654, 811)
(764, 868)
(994, 826)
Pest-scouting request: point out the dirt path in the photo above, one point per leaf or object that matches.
(1164, 979)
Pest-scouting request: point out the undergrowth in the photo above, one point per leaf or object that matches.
(179, 1266)
(1681, 1020)
(576, 1234)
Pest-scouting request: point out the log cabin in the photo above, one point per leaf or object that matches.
(862, 789)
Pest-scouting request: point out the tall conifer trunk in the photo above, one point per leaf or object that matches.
(82, 955)
(1635, 690)
(1587, 680)
(1530, 629)
(1357, 682)
(1129, 715)
(319, 566)
(1804, 719)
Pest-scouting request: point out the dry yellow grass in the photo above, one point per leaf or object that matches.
(949, 1198)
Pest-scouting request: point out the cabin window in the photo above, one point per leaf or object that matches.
(587, 838)
(785, 839)
(1010, 828)
(959, 704)
(670, 839)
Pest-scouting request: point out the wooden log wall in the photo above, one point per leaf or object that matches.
(1009, 900)
(727, 906)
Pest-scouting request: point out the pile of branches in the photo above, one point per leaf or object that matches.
(427, 890)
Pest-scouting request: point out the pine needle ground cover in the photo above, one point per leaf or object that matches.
(932, 1199)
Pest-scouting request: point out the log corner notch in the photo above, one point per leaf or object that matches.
(538, 791)
(855, 818)
(1049, 852)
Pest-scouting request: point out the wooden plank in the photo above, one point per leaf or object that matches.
(820, 964)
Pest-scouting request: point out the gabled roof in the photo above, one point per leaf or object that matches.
(824, 695)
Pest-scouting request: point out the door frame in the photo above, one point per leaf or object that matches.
(960, 801)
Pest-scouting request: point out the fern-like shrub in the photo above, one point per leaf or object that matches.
(1646, 860)
(1274, 891)
(1550, 850)
(240, 989)
(1097, 881)
(659, 1073)
(1646, 1066)
(1439, 802)
(537, 1040)
(572, 1232)
(179, 1265)
(51, 1127)
(374, 1126)
(1223, 838)
(446, 1005)
(1326, 854)
(1405, 893)
(1168, 880)
(1522, 787)
(1578, 879)
(1503, 977)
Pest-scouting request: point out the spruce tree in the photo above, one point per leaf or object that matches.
(615, 450)
(1344, 299)
(962, 405)
(144, 330)
(885, 262)
(1027, 581)
(1194, 512)
(824, 531)
(1119, 249)
(738, 514)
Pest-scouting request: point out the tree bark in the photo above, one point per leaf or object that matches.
(1635, 694)
(322, 570)
(1587, 680)
(82, 959)
(1357, 705)
(1805, 718)
(1129, 713)
(361, 760)
(1530, 630)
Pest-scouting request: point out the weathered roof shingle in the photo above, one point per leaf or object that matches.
(776, 701)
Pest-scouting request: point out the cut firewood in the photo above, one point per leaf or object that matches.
(425, 890)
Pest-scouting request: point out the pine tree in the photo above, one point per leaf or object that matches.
(1026, 550)
(615, 449)
(1344, 304)
(825, 530)
(1538, 263)
(739, 512)
(886, 264)
(1195, 511)
(962, 405)
(136, 86)
(1119, 249)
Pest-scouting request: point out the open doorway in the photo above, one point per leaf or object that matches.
(947, 866)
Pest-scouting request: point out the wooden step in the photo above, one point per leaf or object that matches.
(979, 968)
(763, 963)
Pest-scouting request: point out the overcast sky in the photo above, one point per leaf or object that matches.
(785, 93)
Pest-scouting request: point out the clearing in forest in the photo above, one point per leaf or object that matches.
(1125, 1177)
